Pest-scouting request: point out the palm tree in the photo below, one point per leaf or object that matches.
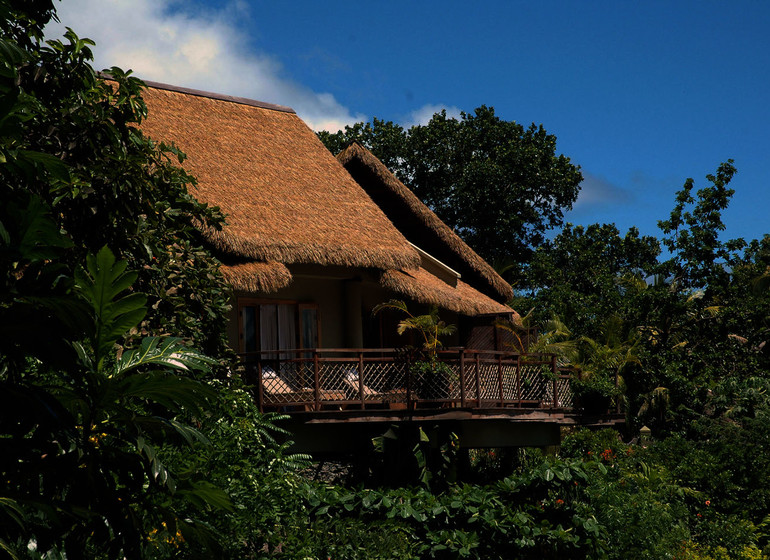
(432, 376)
(429, 326)
(598, 362)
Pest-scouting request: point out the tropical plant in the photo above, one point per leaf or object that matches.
(519, 329)
(429, 326)
(81, 436)
(598, 363)
(431, 376)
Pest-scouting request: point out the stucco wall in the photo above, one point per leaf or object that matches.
(345, 302)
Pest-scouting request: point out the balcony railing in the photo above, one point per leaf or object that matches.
(341, 379)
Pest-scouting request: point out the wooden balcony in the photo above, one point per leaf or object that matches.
(339, 399)
(319, 379)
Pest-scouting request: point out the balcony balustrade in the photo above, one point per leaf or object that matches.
(346, 379)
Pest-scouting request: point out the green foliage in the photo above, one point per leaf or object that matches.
(536, 515)
(430, 327)
(579, 275)
(100, 284)
(598, 364)
(700, 258)
(244, 458)
(683, 325)
(83, 413)
(415, 455)
(457, 166)
(71, 140)
(80, 438)
(650, 490)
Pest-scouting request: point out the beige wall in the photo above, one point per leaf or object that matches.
(345, 299)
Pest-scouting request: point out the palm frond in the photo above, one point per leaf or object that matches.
(170, 353)
(396, 304)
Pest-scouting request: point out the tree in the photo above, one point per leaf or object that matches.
(579, 275)
(698, 315)
(87, 402)
(700, 259)
(81, 438)
(500, 185)
(105, 182)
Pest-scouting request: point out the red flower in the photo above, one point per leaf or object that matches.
(607, 455)
(708, 503)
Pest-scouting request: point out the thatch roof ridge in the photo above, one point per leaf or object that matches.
(421, 286)
(220, 96)
(285, 197)
(473, 267)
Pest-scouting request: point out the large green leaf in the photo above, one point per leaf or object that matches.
(101, 283)
(29, 231)
(166, 352)
(171, 391)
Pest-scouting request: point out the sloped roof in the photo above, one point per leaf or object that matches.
(422, 286)
(287, 200)
(418, 222)
(255, 277)
(285, 196)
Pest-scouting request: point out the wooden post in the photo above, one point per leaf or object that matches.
(361, 378)
(478, 382)
(409, 403)
(260, 388)
(500, 379)
(462, 377)
(555, 382)
(518, 378)
(316, 380)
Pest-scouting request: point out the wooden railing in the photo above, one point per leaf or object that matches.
(338, 379)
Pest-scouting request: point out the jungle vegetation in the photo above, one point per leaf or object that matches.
(123, 436)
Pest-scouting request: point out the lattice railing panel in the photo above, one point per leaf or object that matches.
(470, 381)
(534, 387)
(488, 381)
(338, 380)
(564, 393)
(509, 382)
(433, 382)
(488, 378)
(385, 381)
(286, 383)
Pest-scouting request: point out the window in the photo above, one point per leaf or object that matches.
(277, 325)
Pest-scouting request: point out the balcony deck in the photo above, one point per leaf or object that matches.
(338, 399)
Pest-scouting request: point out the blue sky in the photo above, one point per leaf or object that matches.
(641, 95)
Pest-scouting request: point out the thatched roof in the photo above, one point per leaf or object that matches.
(285, 196)
(422, 286)
(255, 277)
(288, 201)
(418, 222)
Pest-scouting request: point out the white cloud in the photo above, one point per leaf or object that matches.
(596, 191)
(205, 51)
(425, 113)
